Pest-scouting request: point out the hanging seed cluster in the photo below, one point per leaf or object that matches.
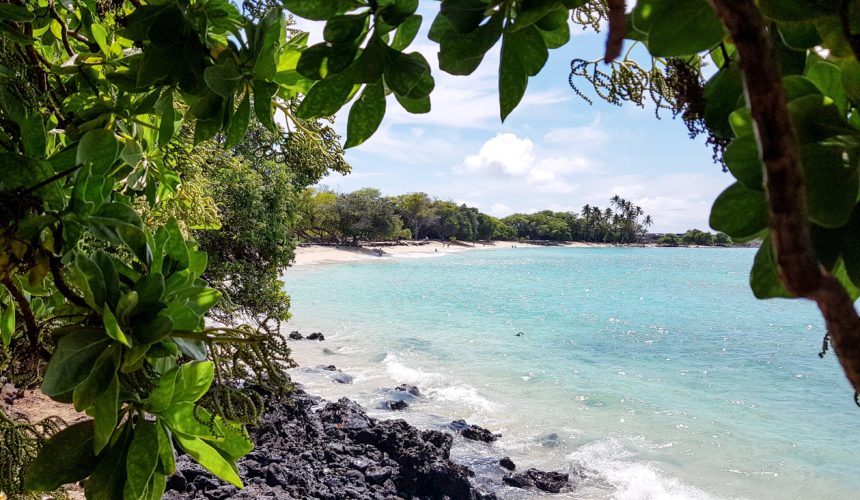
(20, 442)
(591, 14)
(678, 88)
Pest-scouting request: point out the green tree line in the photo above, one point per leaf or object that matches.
(695, 237)
(366, 214)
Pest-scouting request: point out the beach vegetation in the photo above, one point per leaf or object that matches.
(104, 292)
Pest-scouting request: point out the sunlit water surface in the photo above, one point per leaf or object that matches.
(654, 371)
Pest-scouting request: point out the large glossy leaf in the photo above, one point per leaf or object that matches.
(688, 27)
(99, 379)
(66, 458)
(142, 459)
(105, 412)
(764, 279)
(742, 160)
(739, 212)
(98, 149)
(71, 362)
(319, 11)
(366, 115)
(209, 458)
(721, 97)
(193, 381)
(326, 97)
(831, 184)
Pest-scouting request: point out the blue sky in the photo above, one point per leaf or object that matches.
(555, 151)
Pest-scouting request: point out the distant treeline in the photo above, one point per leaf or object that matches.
(367, 215)
(695, 237)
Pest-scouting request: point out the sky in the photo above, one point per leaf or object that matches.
(555, 151)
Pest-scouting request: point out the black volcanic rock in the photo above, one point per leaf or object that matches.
(316, 336)
(411, 389)
(473, 432)
(396, 405)
(295, 335)
(551, 482)
(507, 463)
(307, 448)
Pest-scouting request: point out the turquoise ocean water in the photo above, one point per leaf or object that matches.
(653, 371)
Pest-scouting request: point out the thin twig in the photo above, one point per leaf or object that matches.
(56, 266)
(32, 328)
(64, 29)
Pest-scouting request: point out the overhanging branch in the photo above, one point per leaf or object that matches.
(784, 183)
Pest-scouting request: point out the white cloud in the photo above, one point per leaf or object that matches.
(500, 210)
(510, 156)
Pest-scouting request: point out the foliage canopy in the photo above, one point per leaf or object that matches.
(93, 93)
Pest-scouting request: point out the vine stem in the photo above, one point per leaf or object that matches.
(784, 183)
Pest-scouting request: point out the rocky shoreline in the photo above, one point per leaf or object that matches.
(306, 447)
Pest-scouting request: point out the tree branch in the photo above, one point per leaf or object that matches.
(32, 328)
(55, 264)
(617, 29)
(784, 183)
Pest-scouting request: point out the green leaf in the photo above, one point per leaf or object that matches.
(319, 11)
(189, 419)
(235, 442)
(209, 458)
(193, 381)
(175, 246)
(406, 32)
(739, 212)
(270, 45)
(366, 115)
(7, 323)
(93, 285)
(796, 10)
(100, 36)
(105, 412)
(523, 54)
(344, 29)
(99, 379)
(688, 27)
(194, 349)
(166, 453)
(721, 97)
(150, 331)
(827, 76)
(199, 298)
(816, 118)
(831, 184)
(461, 54)
(414, 105)
(109, 275)
(797, 86)
(142, 459)
(98, 149)
(799, 35)
(557, 37)
(150, 289)
(464, 16)
(742, 160)
(167, 117)
(108, 480)
(539, 10)
(16, 13)
(66, 458)
(160, 397)
(851, 79)
(239, 122)
(325, 97)
(764, 279)
(263, 93)
(409, 75)
(223, 78)
(112, 328)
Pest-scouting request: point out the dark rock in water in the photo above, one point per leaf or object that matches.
(551, 482)
(519, 334)
(334, 452)
(551, 440)
(411, 389)
(341, 378)
(295, 335)
(316, 336)
(507, 463)
(326, 350)
(328, 368)
(396, 405)
(473, 432)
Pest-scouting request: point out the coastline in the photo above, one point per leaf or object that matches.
(311, 254)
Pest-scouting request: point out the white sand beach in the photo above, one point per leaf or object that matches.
(321, 254)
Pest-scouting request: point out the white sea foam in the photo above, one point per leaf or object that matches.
(631, 480)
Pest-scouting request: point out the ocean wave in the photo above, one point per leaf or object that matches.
(607, 460)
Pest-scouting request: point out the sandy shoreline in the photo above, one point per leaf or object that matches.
(320, 254)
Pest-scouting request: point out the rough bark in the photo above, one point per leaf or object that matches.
(798, 268)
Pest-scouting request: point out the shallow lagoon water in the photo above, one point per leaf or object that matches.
(653, 370)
